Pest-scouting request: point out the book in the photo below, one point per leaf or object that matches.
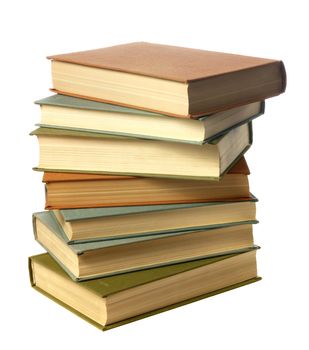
(89, 152)
(114, 301)
(73, 113)
(167, 79)
(128, 221)
(76, 190)
(102, 258)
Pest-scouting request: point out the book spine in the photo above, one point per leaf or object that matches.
(31, 275)
(242, 153)
(34, 226)
(247, 121)
(283, 76)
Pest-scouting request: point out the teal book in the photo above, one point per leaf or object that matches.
(129, 221)
(113, 301)
(95, 259)
(76, 151)
(72, 113)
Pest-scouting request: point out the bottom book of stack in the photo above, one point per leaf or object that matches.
(111, 301)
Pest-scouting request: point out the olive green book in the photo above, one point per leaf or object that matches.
(88, 260)
(72, 113)
(114, 301)
(91, 152)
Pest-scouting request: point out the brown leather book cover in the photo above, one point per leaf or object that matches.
(241, 167)
(163, 61)
(215, 81)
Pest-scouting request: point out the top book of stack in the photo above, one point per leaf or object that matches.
(171, 80)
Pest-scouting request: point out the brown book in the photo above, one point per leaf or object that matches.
(74, 190)
(167, 79)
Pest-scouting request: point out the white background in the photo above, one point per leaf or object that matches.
(270, 314)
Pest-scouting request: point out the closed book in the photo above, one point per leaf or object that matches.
(167, 79)
(66, 112)
(88, 152)
(114, 301)
(128, 221)
(77, 190)
(89, 260)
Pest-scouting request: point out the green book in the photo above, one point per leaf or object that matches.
(92, 213)
(72, 113)
(64, 150)
(129, 221)
(89, 260)
(113, 301)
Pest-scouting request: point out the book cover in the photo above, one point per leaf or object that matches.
(110, 285)
(163, 61)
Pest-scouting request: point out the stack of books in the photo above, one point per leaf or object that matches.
(148, 204)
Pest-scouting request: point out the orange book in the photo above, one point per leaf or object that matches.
(74, 190)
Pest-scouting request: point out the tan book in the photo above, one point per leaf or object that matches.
(76, 190)
(88, 152)
(171, 80)
(72, 113)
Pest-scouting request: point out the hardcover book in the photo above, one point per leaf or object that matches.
(65, 112)
(171, 80)
(101, 258)
(129, 221)
(113, 301)
(88, 152)
(76, 190)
